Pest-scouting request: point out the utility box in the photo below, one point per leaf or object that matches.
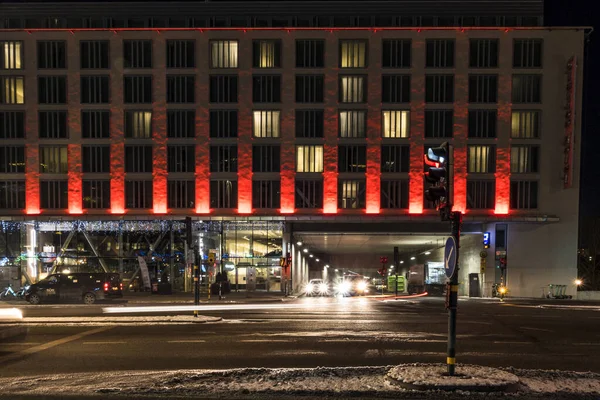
(474, 285)
(392, 282)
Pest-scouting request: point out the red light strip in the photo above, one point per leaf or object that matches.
(503, 147)
(288, 148)
(75, 184)
(461, 121)
(32, 179)
(373, 196)
(202, 200)
(117, 159)
(245, 143)
(330, 151)
(417, 142)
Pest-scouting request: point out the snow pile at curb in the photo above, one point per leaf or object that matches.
(285, 383)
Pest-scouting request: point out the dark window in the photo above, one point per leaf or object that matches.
(181, 194)
(523, 195)
(352, 194)
(181, 158)
(527, 53)
(266, 194)
(440, 53)
(52, 89)
(439, 88)
(223, 194)
(12, 195)
(309, 193)
(181, 54)
(483, 123)
(138, 89)
(396, 53)
(395, 89)
(96, 194)
(224, 89)
(137, 54)
(223, 123)
(138, 158)
(223, 158)
(483, 53)
(12, 124)
(52, 54)
(181, 123)
(180, 89)
(12, 159)
(266, 54)
(53, 125)
(352, 158)
(53, 160)
(483, 88)
(96, 159)
(395, 158)
(138, 194)
(266, 158)
(352, 124)
(94, 89)
(94, 54)
(527, 89)
(309, 88)
(524, 159)
(310, 53)
(266, 89)
(394, 194)
(481, 194)
(309, 123)
(439, 123)
(54, 194)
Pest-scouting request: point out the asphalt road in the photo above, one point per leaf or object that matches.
(326, 332)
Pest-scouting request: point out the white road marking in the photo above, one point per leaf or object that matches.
(54, 343)
(503, 342)
(265, 341)
(19, 344)
(105, 342)
(297, 353)
(187, 341)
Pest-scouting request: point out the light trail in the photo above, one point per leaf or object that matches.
(10, 314)
(153, 309)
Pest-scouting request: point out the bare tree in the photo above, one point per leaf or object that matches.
(589, 254)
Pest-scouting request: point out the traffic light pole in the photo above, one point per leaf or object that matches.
(452, 295)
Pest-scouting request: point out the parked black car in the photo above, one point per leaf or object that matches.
(86, 287)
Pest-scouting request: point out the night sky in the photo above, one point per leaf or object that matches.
(579, 13)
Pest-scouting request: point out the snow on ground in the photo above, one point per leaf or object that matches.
(287, 383)
(115, 320)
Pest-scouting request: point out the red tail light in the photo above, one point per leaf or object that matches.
(121, 286)
(106, 286)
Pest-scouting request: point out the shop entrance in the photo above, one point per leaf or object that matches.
(261, 277)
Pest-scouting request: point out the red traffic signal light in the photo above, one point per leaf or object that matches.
(381, 271)
(383, 260)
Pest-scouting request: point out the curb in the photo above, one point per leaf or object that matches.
(12, 331)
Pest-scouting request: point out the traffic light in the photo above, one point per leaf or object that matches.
(438, 174)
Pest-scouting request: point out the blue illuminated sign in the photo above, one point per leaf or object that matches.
(486, 240)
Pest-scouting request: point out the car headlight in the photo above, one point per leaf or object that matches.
(502, 290)
(343, 287)
(361, 286)
(323, 288)
(309, 288)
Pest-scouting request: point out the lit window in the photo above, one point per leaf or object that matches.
(267, 54)
(353, 124)
(138, 124)
(396, 124)
(525, 124)
(309, 158)
(524, 159)
(266, 124)
(224, 54)
(352, 89)
(481, 159)
(12, 55)
(353, 54)
(352, 194)
(12, 90)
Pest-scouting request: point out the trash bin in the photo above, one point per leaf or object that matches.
(164, 288)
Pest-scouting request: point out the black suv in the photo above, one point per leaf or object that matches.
(86, 287)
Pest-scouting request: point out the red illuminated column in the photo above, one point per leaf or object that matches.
(159, 127)
(330, 153)
(245, 127)
(32, 177)
(374, 128)
(202, 131)
(503, 144)
(117, 128)
(461, 120)
(288, 148)
(75, 199)
(417, 128)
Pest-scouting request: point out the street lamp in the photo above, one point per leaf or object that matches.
(427, 253)
(578, 282)
(317, 260)
(401, 262)
(299, 243)
(311, 256)
(327, 266)
(412, 258)
(305, 250)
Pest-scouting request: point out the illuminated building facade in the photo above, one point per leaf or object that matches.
(118, 119)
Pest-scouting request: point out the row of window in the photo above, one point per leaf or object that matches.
(181, 89)
(95, 124)
(265, 194)
(265, 158)
(263, 21)
(396, 53)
